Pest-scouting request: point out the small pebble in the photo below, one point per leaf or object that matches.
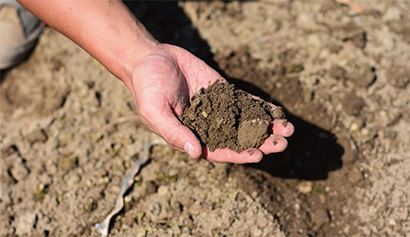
(305, 187)
(162, 190)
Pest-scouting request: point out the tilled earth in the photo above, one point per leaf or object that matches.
(69, 131)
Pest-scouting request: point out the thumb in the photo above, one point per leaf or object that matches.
(177, 135)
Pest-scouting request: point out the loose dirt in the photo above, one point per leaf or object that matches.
(225, 117)
(69, 131)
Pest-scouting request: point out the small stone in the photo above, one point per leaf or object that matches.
(361, 74)
(38, 135)
(25, 223)
(257, 232)
(354, 127)
(352, 104)
(141, 232)
(392, 222)
(94, 137)
(355, 175)
(346, 230)
(357, 124)
(19, 171)
(88, 183)
(162, 190)
(67, 164)
(319, 217)
(40, 192)
(127, 199)
(104, 180)
(89, 206)
(297, 206)
(194, 209)
(65, 138)
(392, 14)
(337, 72)
(399, 75)
(305, 187)
(151, 187)
(359, 39)
(73, 180)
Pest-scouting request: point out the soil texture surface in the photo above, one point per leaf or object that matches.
(225, 117)
(69, 132)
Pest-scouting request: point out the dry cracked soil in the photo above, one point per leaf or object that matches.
(69, 131)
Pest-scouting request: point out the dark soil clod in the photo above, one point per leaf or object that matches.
(223, 116)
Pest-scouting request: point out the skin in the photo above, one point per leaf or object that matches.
(161, 77)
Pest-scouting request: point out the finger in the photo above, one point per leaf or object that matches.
(180, 137)
(273, 144)
(228, 156)
(282, 127)
(174, 133)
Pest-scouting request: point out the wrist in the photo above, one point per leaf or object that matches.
(133, 56)
(141, 53)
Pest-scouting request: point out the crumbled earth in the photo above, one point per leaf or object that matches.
(69, 131)
(225, 117)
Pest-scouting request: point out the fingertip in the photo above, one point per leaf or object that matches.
(181, 138)
(280, 143)
(282, 127)
(255, 155)
(193, 148)
(274, 144)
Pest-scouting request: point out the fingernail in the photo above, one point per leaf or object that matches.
(189, 148)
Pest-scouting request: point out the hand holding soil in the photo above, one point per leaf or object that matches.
(162, 86)
(160, 77)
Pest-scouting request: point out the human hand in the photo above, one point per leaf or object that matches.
(162, 84)
(160, 77)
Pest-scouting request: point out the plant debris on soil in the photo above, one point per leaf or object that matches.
(223, 116)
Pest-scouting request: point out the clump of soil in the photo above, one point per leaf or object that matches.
(223, 116)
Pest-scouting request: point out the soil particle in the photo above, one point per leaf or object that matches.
(319, 217)
(352, 104)
(360, 74)
(223, 116)
(337, 72)
(25, 223)
(399, 75)
(358, 39)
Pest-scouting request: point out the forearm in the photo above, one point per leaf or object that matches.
(105, 29)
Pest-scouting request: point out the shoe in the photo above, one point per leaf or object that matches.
(19, 33)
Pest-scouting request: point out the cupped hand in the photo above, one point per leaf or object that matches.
(162, 84)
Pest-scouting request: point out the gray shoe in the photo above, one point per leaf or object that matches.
(19, 32)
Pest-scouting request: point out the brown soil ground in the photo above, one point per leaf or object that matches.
(69, 131)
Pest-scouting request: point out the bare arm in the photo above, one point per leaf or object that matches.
(106, 29)
(160, 77)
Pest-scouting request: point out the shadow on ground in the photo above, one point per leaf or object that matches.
(312, 151)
